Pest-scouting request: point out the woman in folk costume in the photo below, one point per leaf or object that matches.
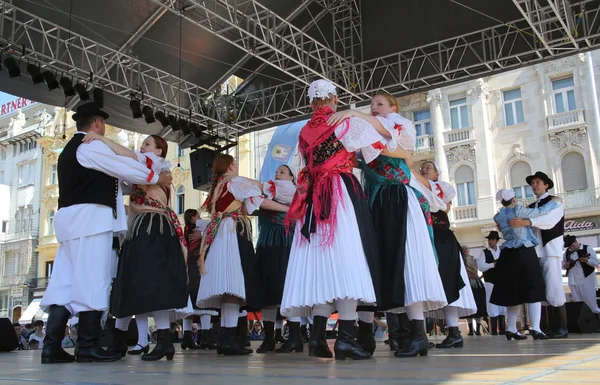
(409, 279)
(333, 260)
(151, 273)
(452, 271)
(273, 252)
(227, 261)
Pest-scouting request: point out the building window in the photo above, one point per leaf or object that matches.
(518, 172)
(459, 114)
(513, 107)
(573, 170)
(563, 92)
(49, 267)
(25, 174)
(4, 226)
(180, 207)
(53, 175)
(465, 186)
(50, 223)
(423, 122)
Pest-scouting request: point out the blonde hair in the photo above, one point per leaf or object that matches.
(390, 99)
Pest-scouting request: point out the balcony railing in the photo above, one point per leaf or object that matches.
(462, 213)
(39, 283)
(460, 135)
(574, 199)
(424, 142)
(566, 119)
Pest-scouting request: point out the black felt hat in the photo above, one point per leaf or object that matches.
(541, 176)
(89, 109)
(493, 235)
(569, 240)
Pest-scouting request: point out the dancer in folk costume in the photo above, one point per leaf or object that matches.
(273, 252)
(409, 279)
(91, 212)
(486, 262)
(227, 261)
(478, 292)
(151, 277)
(333, 261)
(580, 262)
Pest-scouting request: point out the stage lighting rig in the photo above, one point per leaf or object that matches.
(195, 130)
(67, 85)
(34, 72)
(173, 122)
(50, 80)
(184, 126)
(162, 118)
(136, 108)
(82, 91)
(98, 97)
(148, 114)
(13, 67)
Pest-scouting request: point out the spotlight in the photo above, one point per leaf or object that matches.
(82, 91)
(148, 114)
(195, 130)
(34, 72)
(13, 67)
(173, 122)
(98, 97)
(136, 108)
(184, 126)
(67, 85)
(162, 118)
(50, 80)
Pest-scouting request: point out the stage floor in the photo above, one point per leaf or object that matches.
(483, 360)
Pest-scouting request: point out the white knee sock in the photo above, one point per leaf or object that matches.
(243, 313)
(535, 315)
(123, 323)
(451, 316)
(303, 320)
(366, 316)
(346, 309)
(269, 315)
(323, 310)
(161, 319)
(513, 312)
(142, 324)
(187, 325)
(205, 322)
(278, 324)
(310, 319)
(294, 319)
(230, 312)
(415, 311)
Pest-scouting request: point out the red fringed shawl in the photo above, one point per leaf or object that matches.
(319, 182)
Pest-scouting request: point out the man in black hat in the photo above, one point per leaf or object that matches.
(581, 262)
(91, 213)
(486, 261)
(549, 230)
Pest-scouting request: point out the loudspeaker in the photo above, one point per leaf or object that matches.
(8, 337)
(201, 162)
(580, 318)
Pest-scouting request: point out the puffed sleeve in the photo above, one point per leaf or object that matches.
(244, 190)
(444, 190)
(435, 202)
(357, 134)
(403, 131)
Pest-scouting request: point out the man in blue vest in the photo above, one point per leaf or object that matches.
(549, 229)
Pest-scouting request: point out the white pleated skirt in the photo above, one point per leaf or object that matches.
(421, 278)
(177, 314)
(319, 274)
(466, 301)
(224, 274)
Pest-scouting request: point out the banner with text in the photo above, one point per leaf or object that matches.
(281, 149)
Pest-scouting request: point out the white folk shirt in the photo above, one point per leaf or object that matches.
(89, 219)
(576, 276)
(481, 265)
(554, 248)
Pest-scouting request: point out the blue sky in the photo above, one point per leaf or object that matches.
(6, 98)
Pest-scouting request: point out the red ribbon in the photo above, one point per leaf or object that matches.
(378, 146)
(441, 194)
(398, 127)
(149, 165)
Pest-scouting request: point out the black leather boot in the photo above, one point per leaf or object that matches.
(294, 342)
(365, 337)
(279, 337)
(494, 325)
(164, 347)
(478, 329)
(502, 325)
(454, 339)
(560, 314)
(471, 333)
(119, 342)
(418, 343)
(551, 326)
(230, 345)
(304, 333)
(52, 352)
(207, 340)
(88, 349)
(345, 345)
(317, 347)
(268, 344)
(188, 342)
(243, 334)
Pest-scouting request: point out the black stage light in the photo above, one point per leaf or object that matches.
(195, 130)
(148, 114)
(136, 108)
(82, 91)
(162, 118)
(13, 67)
(34, 72)
(173, 122)
(98, 97)
(184, 126)
(50, 80)
(67, 85)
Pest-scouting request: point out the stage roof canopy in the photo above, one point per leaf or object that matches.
(174, 55)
